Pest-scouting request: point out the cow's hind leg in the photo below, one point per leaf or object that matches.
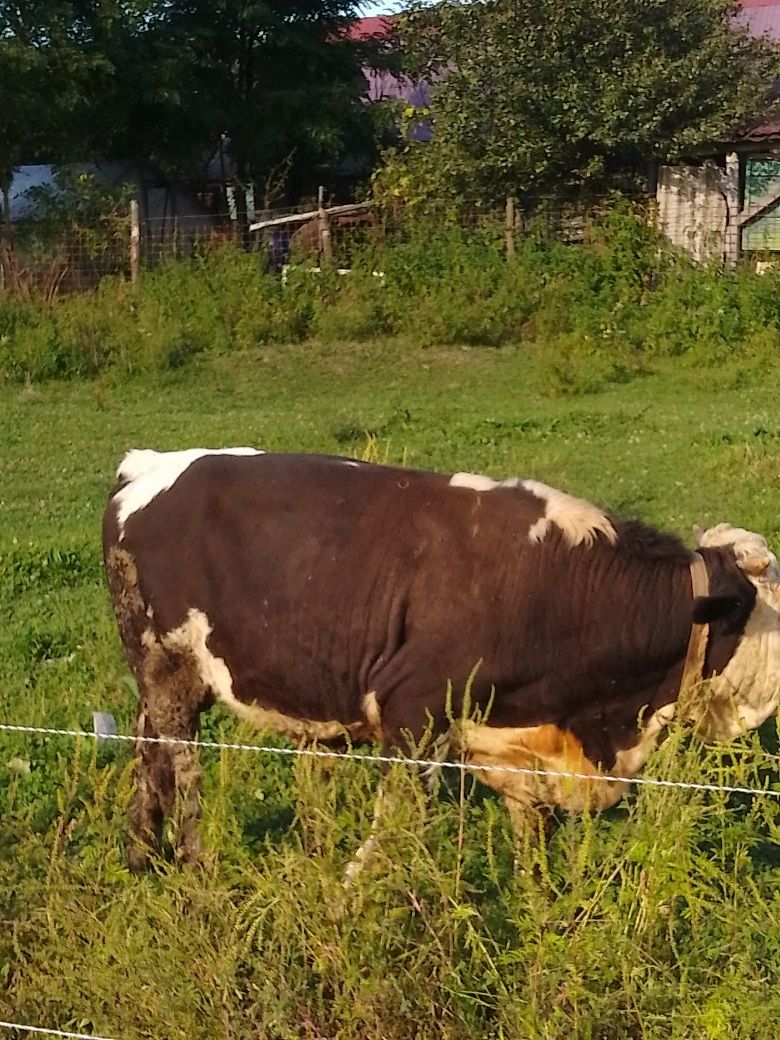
(167, 773)
(533, 825)
(151, 773)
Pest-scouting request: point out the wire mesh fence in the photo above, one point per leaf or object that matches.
(75, 258)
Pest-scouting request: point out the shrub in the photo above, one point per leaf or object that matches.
(593, 313)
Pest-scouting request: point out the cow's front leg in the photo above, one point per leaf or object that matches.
(533, 825)
(365, 853)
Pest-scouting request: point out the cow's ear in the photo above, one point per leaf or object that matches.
(755, 565)
(698, 533)
(728, 611)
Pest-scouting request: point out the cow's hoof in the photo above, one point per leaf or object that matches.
(189, 850)
(138, 857)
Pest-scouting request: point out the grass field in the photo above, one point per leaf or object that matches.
(660, 919)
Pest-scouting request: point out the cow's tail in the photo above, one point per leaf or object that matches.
(128, 602)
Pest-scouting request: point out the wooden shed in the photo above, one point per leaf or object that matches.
(724, 204)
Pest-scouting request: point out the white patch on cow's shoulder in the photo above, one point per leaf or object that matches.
(191, 637)
(351, 462)
(578, 520)
(147, 473)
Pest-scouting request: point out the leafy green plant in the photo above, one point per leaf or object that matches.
(657, 919)
(593, 315)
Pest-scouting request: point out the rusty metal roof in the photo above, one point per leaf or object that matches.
(760, 19)
(765, 132)
(376, 25)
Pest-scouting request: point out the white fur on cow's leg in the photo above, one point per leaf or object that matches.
(437, 753)
(365, 853)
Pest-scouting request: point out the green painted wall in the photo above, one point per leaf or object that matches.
(761, 174)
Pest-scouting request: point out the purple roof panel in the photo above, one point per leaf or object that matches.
(761, 20)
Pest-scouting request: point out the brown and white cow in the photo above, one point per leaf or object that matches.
(322, 597)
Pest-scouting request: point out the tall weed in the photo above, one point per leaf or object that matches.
(639, 923)
(592, 314)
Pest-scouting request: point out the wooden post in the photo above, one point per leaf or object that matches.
(135, 241)
(326, 246)
(733, 229)
(510, 226)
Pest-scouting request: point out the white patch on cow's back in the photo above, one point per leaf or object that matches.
(148, 473)
(191, 637)
(538, 530)
(579, 521)
(474, 481)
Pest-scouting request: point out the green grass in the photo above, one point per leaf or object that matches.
(660, 919)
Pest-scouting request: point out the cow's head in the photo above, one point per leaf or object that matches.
(747, 691)
(753, 555)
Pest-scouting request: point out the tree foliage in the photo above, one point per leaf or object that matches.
(45, 74)
(165, 81)
(278, 78)
(533, 94)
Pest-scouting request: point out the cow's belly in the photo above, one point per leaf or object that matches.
(544, 751)
(249, 701)
(547, 750)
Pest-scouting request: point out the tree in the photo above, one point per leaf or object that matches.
(534, 94)
(165, 81)
(45, 76)
(279, 78)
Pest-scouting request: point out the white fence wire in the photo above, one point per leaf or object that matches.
(429, 763)
(52, 1032)
(345, 756)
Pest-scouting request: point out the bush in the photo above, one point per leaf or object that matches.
(593, 313)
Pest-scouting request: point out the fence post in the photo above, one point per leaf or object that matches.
(733, 230)
(510, 227)
(326, 245)
(135, 241)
